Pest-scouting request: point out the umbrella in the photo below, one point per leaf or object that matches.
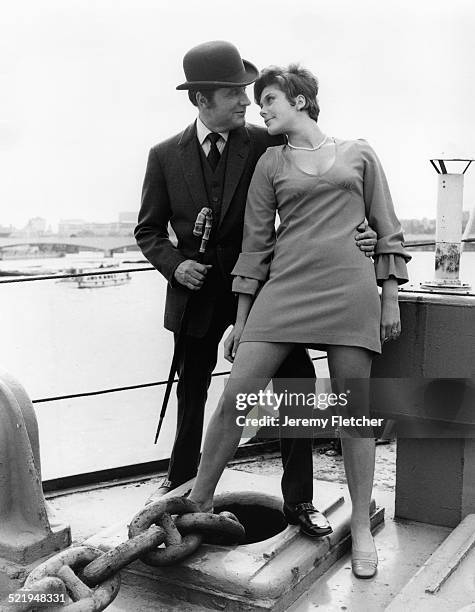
(203, 225)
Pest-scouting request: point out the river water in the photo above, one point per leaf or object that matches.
(59, 340)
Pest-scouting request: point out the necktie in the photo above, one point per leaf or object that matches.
(214, 154)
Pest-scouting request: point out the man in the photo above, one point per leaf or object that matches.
(210, 164)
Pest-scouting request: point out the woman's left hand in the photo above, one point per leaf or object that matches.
(232, 342)
(390, 328)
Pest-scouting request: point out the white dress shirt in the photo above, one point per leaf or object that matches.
(202, 132)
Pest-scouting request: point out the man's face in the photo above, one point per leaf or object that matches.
(227, 110)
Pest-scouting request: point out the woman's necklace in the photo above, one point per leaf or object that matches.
(319, 145)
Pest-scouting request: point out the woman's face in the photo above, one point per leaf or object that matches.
(278, 114)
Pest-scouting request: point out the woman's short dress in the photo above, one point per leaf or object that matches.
(314, 286)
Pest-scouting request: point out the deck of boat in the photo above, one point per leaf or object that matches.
(403, 546)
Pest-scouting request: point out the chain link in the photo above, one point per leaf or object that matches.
(91, 578)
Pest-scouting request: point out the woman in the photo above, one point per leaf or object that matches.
(306, 284)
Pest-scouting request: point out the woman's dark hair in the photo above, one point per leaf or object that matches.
(293, 81)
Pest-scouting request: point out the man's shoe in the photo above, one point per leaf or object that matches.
(312, 522)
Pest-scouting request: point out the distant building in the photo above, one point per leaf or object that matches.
(35, 227)
(127, 223)
(78, 227)
(427, 226)
(128, 217)
(70, 227)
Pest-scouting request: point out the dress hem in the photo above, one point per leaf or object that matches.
(323, 339)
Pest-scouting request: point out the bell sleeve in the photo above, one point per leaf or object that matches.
(252, 266)
(390, 255)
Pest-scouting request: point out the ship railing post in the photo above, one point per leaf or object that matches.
(448, 247)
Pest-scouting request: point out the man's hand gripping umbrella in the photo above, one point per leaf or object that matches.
(203, 226)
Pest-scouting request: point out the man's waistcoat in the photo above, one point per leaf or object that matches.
(177, 186)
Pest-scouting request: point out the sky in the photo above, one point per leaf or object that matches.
(88, 86)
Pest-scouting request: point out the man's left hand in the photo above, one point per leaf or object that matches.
(366, 239)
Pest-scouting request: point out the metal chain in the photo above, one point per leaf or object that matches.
(91, 578)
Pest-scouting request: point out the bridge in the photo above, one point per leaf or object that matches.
(74, 244)
(115, 244)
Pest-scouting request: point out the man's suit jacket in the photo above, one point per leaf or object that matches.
(174, 191)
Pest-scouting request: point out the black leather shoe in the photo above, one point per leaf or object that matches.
(312, 522)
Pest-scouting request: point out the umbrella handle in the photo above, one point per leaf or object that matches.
(204, 215)
(206, 233)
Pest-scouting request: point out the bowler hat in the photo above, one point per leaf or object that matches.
(216, 64)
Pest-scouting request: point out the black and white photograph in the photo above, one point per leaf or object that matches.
(237, 306)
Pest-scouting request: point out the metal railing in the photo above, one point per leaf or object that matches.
(42, 277)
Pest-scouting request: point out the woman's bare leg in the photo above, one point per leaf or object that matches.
(254, 365)
(358, 453)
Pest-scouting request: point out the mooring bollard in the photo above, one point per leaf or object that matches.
(26, 532)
